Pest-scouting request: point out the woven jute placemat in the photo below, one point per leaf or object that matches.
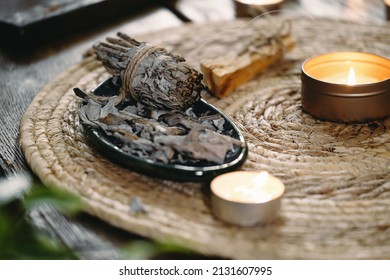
(337, 176)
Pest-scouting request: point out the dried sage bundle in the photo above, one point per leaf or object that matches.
(152, 116)
(149, 74)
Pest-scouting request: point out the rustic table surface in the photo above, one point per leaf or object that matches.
(25, 67)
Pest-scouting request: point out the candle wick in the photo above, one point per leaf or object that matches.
(351, 77)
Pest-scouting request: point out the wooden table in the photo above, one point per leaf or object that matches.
(24, 71)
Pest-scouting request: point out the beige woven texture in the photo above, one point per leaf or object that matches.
(337, 177)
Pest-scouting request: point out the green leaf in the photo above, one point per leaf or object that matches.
(172, 247)
(139, 250)
(5, 226)
(62, 200)
(143, 249)
(40, 247)
(18, 238)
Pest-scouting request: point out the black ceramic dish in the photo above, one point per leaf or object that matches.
(195, 171)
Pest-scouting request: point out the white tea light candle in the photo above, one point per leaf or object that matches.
(246, 197)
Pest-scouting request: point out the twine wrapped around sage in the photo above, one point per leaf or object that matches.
(149, 74)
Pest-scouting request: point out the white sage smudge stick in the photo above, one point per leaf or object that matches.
(152, 116)
(149, 74)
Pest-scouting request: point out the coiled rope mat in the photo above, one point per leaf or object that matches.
(337, 202)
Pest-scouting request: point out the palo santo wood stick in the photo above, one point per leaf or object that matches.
(223, 74)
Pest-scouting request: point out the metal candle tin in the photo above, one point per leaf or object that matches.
(338, 102)
(246, 213)
(255, 7)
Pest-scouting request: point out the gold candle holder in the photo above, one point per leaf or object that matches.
(246, 198)
(346, 87)
(252, 8)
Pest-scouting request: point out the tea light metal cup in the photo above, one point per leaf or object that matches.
(346, 87)
(246, 198)
(256, 7)
(387, 8)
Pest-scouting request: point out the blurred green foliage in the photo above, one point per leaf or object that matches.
(144, 249)
(19, 239)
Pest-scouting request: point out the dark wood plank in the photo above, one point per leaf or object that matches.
(361, 10)
(364, 10)
(321, 8)
(82, 239)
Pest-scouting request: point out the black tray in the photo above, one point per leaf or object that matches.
(198, 171)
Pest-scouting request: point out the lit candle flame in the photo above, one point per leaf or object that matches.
(260, 179)
(351, 80)
(256, 189)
